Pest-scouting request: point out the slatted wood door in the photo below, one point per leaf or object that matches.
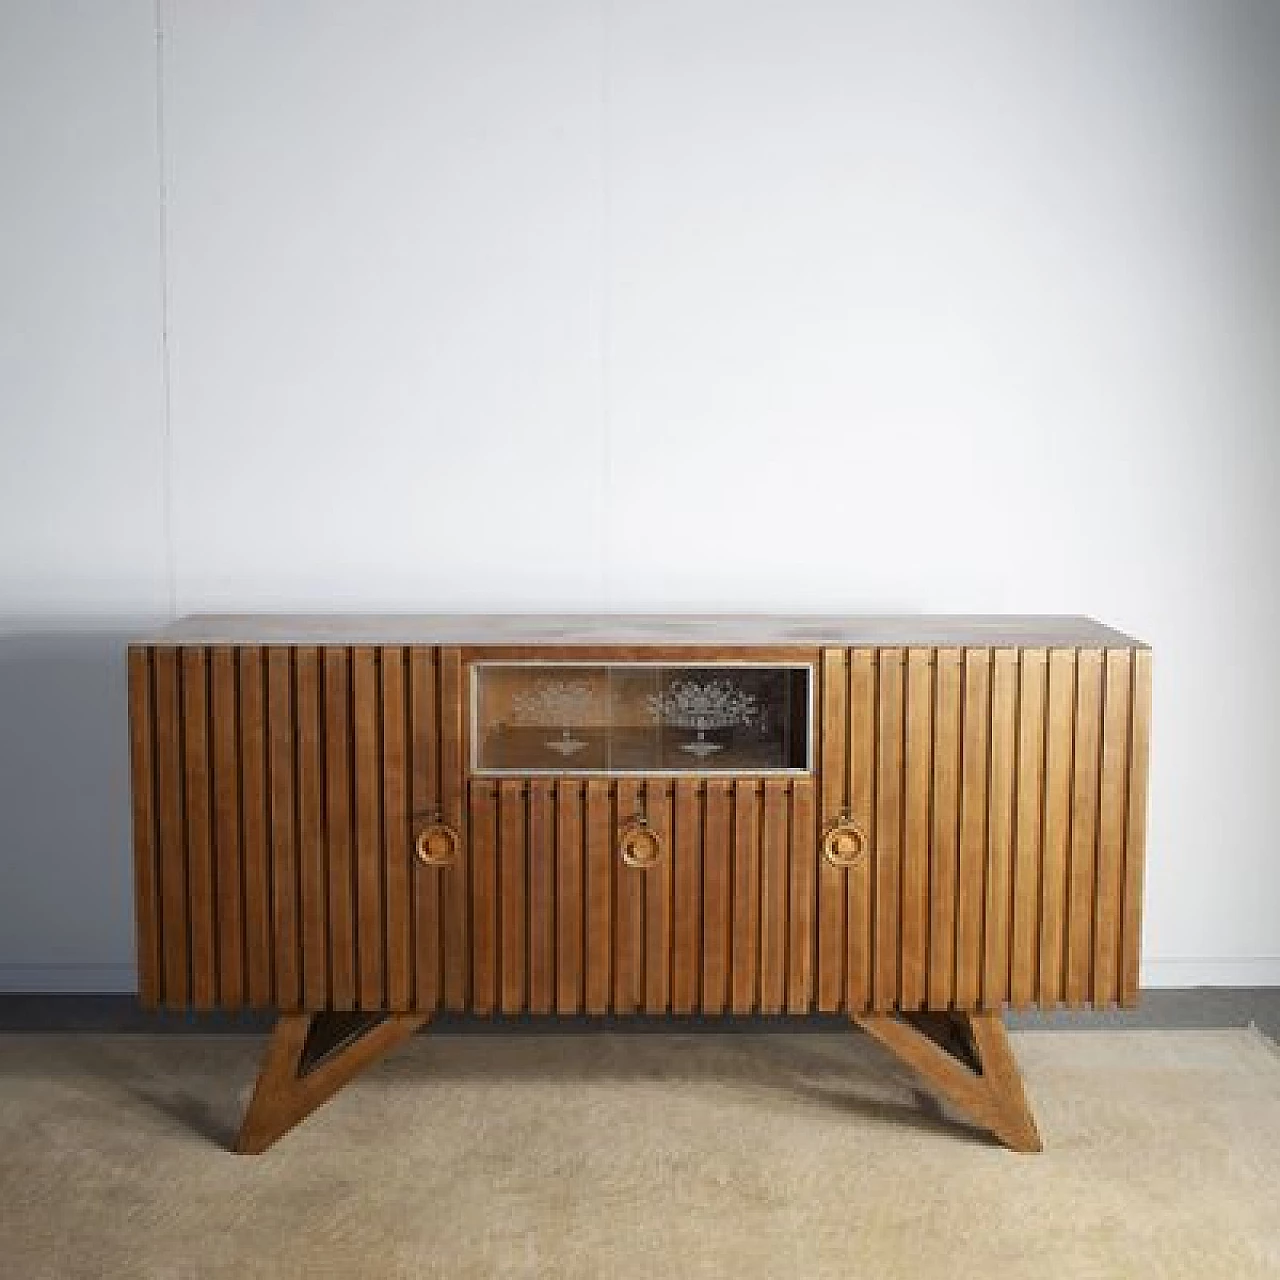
(722, 922)
(1004, 795)
(276, 791)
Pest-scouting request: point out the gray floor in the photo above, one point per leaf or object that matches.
(1198, 1007)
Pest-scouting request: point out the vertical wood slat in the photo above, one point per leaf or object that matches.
(802, 896)
(338, 818)
(1111, 834)
(832, 887)
(284, 867)
(746, 897)
(424, 798)
(1056, 829)
(971, 874)
(396, 853)
(917, 770)
(599, 896)
(312, 910)
(512, 864)
(717, 854)
(1085, 777)
(254, 828)
(366, 700)
(687, 889)
(861, 879)
(774, 885)
(542, 896)
(1136, 824)
(658, 889)
(944, 856)
(888, 828)
(145, 843)
(997, 914)
(172, 839)
(569, 901)
(198, 827)
(455, 878)
(482, 828)
(628, 909)
(224, 715)
(1029, 802)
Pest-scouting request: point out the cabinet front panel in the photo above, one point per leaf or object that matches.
(276, 795)
(1003, 794)
(722, 920)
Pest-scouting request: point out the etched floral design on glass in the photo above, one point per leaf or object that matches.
(552, 703)
(703, 706)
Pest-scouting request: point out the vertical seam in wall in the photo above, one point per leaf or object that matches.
(166, 396)
(606, 318)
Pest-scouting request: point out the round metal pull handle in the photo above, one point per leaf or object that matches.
(843, 841)
(436, 844)
(639, 845)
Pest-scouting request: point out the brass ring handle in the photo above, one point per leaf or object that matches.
(437, 843)
(843, 841)
(639, 845)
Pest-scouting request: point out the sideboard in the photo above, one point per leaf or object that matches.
(359, 822)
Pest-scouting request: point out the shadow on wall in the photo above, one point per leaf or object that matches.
(66, 887)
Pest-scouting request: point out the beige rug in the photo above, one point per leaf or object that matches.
(647, 1155)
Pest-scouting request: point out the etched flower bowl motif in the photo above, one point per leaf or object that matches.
(703, 705)
(557, 702)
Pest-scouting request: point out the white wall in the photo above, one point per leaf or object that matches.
(682, 305)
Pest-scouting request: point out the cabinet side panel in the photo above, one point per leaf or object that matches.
(862, 738)
(224, 723)
(832, 887)
(1136, 825)
(142, 761)
(1111, 826)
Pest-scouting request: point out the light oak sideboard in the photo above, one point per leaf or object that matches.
(362, 821)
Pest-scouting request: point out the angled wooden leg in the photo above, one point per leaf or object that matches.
(967, 1059)
(309, 1058)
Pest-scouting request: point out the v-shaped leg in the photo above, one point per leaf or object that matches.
(965, 1057)
(309, 1058)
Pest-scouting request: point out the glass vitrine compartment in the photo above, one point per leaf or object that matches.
(640, 717)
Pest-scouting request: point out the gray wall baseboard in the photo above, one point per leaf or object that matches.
(1201, 1007)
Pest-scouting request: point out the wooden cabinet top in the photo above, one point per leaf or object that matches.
(667, 630)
